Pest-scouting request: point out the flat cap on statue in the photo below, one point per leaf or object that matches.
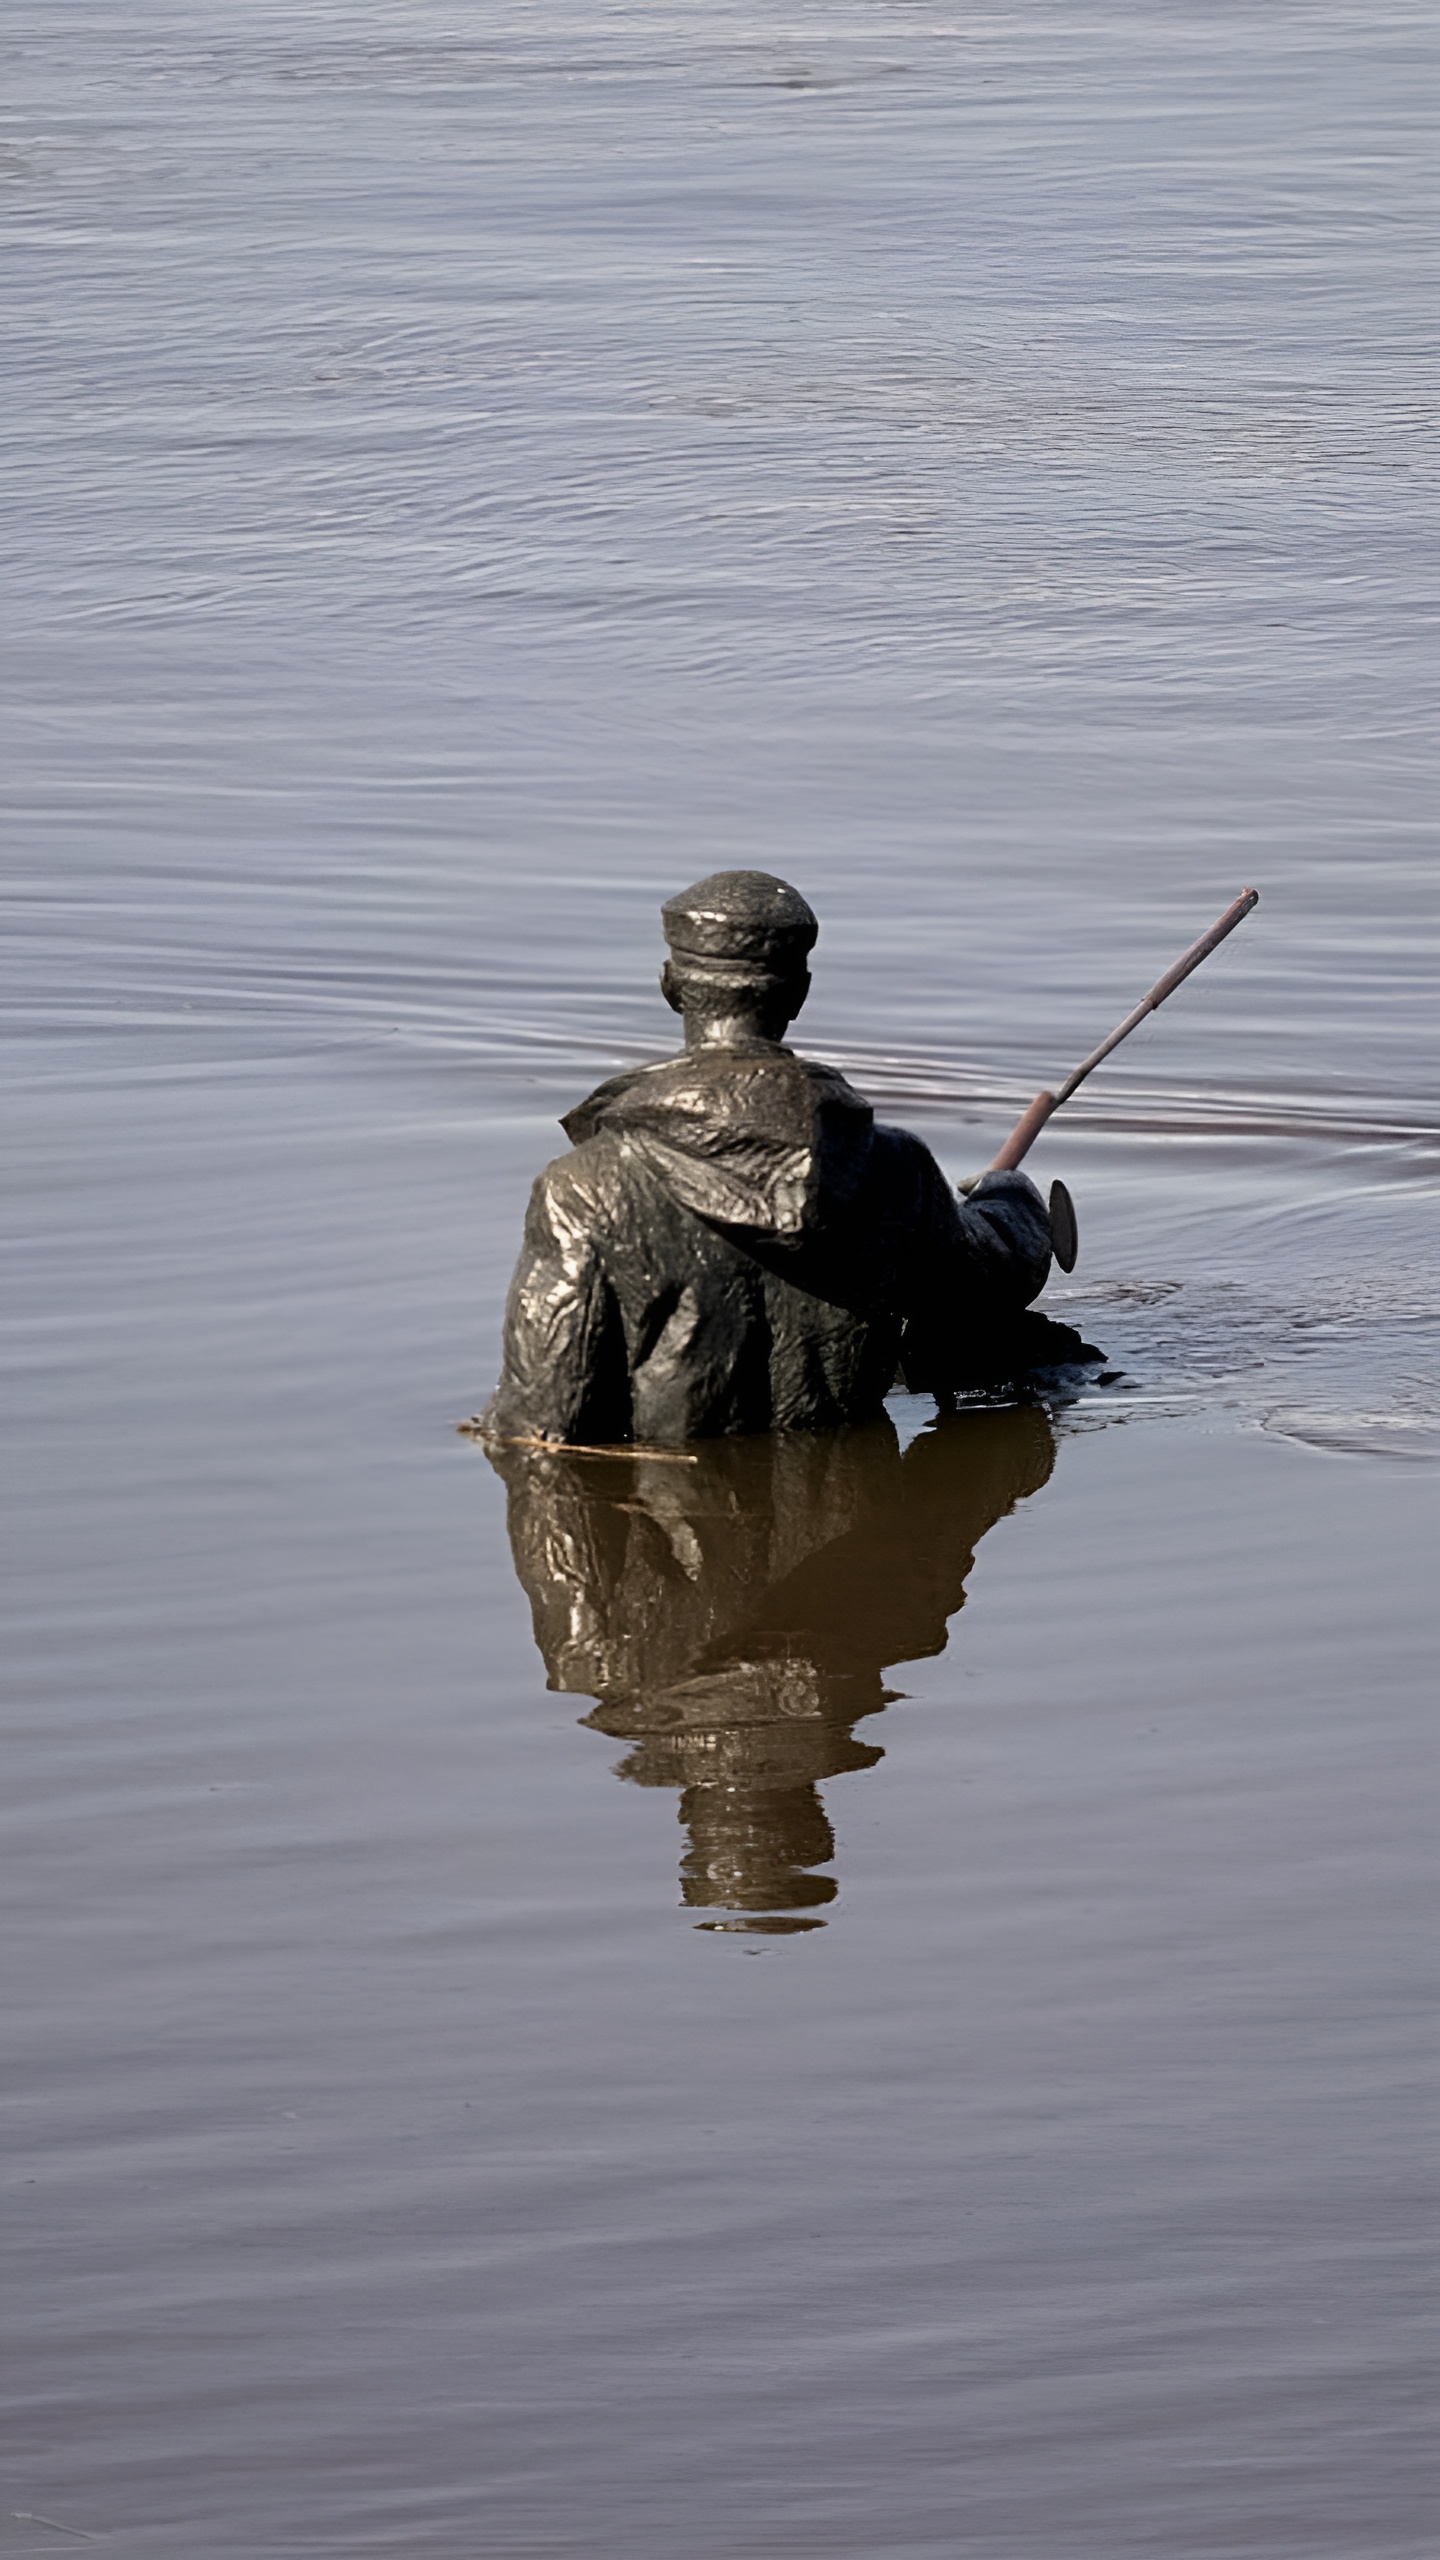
(740, 915)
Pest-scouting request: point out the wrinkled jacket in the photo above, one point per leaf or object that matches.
(734, 1245)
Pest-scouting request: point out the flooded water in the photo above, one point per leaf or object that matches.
(470, 474)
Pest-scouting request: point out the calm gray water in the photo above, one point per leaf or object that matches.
(468, 474)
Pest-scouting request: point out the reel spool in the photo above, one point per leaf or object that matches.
(1064, 1230)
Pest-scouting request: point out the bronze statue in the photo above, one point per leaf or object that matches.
(733, 1613)
(735, 1245)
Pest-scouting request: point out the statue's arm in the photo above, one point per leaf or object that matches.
(564, 1374)
(977, 1265)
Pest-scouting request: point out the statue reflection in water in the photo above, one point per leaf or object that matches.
(732, 1611)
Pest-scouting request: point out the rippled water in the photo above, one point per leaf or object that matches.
(469, 475)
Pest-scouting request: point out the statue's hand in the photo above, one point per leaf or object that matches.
(1014, 1184)
(1058, 1211)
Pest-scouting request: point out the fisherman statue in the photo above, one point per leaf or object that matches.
(734, 1244)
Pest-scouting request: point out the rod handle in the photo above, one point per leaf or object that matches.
(1024, 1134)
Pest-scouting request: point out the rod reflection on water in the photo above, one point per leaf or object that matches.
(733, 1618)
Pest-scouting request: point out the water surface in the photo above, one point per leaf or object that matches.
(913, 2043)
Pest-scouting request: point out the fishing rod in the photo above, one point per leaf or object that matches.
(1028, 1127)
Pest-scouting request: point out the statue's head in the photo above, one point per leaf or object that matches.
(739, 945)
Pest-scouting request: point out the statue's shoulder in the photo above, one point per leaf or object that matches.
(577, 1188)
(899, 1148)
(610, 1099)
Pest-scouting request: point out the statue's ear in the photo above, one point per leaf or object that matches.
(784, 1002)
(670, 988)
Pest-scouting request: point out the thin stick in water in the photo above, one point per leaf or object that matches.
(585, 1448)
